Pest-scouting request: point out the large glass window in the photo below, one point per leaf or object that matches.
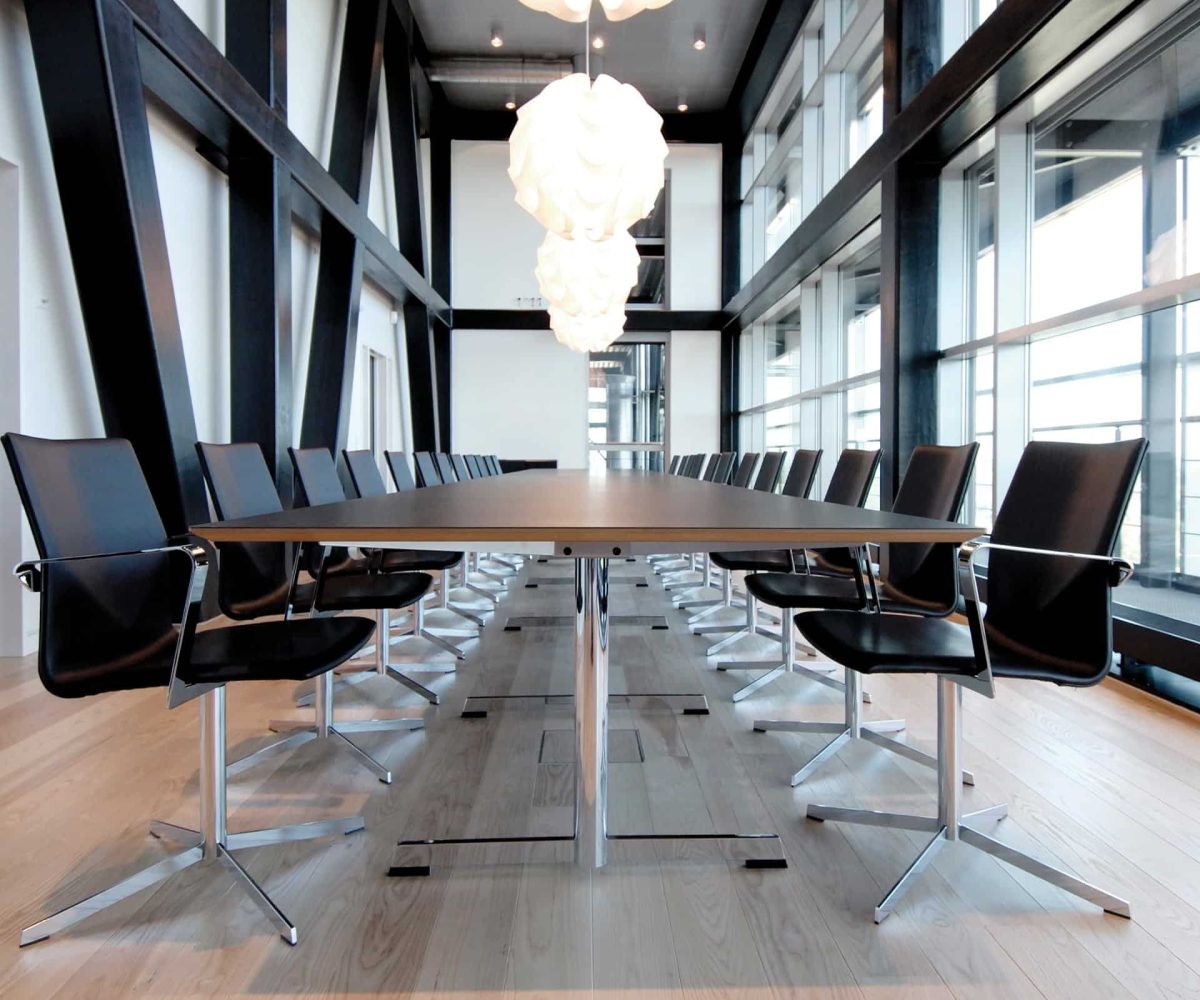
(1079, 240)
(627, 407)
(823, 111)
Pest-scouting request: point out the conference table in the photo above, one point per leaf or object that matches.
(590, 518)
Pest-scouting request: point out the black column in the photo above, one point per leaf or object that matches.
(428, 367)
(909, 249)
(339, 272)
(260, 247)
(90, 80)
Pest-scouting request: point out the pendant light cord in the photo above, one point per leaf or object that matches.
(587, 46)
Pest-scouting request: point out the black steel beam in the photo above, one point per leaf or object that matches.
(422, 378)
(260, 247)
(89, 76)
(636, 320)
(334, 340)
(778, 27)
(191, 76)
(441, 212)
(497, 126)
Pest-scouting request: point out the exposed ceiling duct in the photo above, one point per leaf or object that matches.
(514, 72)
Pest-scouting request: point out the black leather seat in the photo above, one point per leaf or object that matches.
(1050, 576)
(116, 616)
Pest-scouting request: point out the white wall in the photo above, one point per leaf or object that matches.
(693, 392)
(493, 240)
(694, 227)
(519, 394)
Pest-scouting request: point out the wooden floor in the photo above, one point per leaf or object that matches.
(1105, 782)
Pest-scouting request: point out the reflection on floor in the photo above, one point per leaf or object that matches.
(1105, 782)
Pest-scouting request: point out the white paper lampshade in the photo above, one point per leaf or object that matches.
(586, 278)
(587, 333)
(587, 158)
(577, 11)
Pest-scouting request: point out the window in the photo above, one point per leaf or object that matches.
(810, 367)
(1080, 258)
(832, 79)
(627, 407)
(864, 101)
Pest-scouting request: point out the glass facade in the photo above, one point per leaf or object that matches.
(810, 368)
(824, 111)
(1079, 259)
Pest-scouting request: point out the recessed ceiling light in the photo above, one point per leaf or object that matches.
(510, 105)
(598, 42)
(700, 41)
(683, 106)
(497, 38)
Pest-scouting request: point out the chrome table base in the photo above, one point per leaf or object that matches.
(211, 845)
(951, 824)
(591, 837)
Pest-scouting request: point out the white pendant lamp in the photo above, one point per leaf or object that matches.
(585, 278)
(587, 285)
(587, 333)
(587, 158)
(577, 11)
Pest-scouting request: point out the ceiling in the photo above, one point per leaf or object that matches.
(653, 51)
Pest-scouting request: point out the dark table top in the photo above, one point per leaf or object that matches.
(582, 514)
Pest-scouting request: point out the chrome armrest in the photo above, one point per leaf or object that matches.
(178, 691)
(968, 551)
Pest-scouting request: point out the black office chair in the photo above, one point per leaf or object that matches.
(367, 482)
(256, 581)
(770, 472)
(746, 469)
(674, 468)
(460, 468)
(802, 474)
(850, 484)
(1050, 576)
(115, 616)
(445, 467)
(920, 580)
(429, 474)
(692, 466)
(799, 482)
(320, 484)
(473, 467)
(427, 470)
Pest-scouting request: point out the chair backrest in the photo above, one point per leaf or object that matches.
(802, 474)
(364, 473)
(445, 467)
(674, 466)
(724, 467)
(745, 469)
(460, 468)
(851, 481)
(473, 467)
(317, 475)
(770, 472)
(1057, 613)
(427, 469)
(401, 473)
(494, 465)
(240, 485)
(89, 497)
(925, 577)
(710, 468)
